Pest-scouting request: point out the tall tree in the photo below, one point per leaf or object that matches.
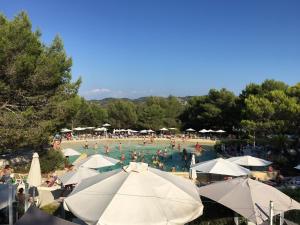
(35, 84)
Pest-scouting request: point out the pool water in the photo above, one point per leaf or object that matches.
(147, 153)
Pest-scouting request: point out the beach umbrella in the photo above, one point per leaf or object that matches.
(89, 128)
(172, 128)
(297, 167)
(193, 172)
(163, 129)
(101, 129)
(190, 130)
(203, 131)
(76, 176)
(97, 161)
(35, 216)
(34, 178)
(65, 130)
(248, 160)
(79, 128)
(143, 131)
(106, 125)
(150, 131)
(136, 194)
(249, 198)
(220, 131)
(210, 131)
(4, 194)
(70, 152)
(222, 167)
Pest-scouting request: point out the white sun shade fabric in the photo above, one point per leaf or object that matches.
(221, 166)
(249, 161)
(76, 176)
(135, 195)
(97, 161)
(35, 177)
(249, 198)
(70, 152)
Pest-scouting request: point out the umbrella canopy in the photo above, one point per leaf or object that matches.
(297, 167)
(249, 198)
(106, 125)
(75, 177)
(101, 129)
(79, 128)
(65, 130)
(89, 128)
(210, 131)
(190, 130)
(150, 131)
(4, 193)
(172, 128)
(97, 161)
(70, 152)
(221, 166)
(248, 160)
(163, 129)
(220, 131)
(143, 131)
(203, 131)
(35, 177)
(193, 173)
(34, 216)
(136, 194)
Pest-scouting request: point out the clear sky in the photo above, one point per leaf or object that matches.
(159, 47)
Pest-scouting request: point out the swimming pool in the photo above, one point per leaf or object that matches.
(148, 154)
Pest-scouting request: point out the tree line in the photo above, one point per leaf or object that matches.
(38, 97)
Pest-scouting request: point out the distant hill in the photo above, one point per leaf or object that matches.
(104, 102)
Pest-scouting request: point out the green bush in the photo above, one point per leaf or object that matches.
(51, 160)
(293, 215)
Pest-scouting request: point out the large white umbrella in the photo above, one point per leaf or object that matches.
(220, 131)
(248, 160)
(97, 161)
(35, 177)
(143, 131)
(101, 129)
(75, 177)
(4, 194)
(249, 198)
(210, 131)
(70, 152)
(193, 172)
(297, 167)
(136, 194)
(172, 128)
(79, 128)
(150, 131)
(190, 130)
(65, 130)
(163, 129)
(221, 166)
(203, 131)
(106, 125)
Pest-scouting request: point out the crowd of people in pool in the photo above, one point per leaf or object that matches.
(158, 160)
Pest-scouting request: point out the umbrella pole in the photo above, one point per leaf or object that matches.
(281, 221)
(236, 219)
(10, 206)
(271, 212)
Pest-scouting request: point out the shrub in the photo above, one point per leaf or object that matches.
(51, 160)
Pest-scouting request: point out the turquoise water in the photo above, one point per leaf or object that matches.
(148, 153)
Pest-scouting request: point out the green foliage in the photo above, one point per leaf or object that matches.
(35, 82)
(217, 110)
(122, 114)
(293, 215)
(51, 160)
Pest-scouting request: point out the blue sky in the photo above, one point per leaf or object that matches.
(159, 47)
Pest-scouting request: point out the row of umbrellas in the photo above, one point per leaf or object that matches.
(138, 194)
(104, 129)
